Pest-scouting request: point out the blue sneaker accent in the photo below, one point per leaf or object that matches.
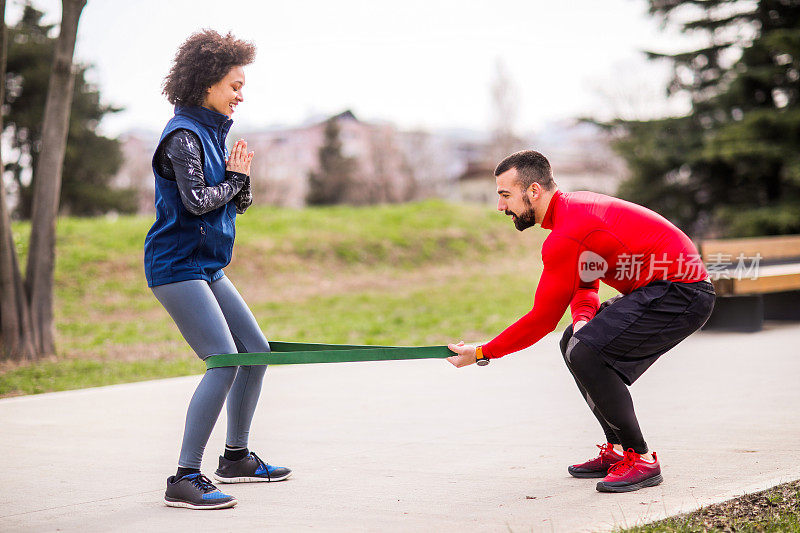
(204, 484)
(266, 469)
(261, 470)
(216, 495)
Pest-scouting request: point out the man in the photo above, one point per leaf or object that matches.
(664, 297)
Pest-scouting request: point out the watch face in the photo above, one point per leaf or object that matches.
(483, 362)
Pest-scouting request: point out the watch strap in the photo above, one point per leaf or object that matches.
(480, 358)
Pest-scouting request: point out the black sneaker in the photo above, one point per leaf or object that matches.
(195, 491)
(251, 468)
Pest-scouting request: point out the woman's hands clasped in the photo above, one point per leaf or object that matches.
(239, 160)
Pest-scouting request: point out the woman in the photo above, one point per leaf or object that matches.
(198, 192)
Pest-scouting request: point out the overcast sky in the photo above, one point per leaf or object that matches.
(425, 64)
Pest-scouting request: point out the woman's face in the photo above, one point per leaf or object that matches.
(225, 95)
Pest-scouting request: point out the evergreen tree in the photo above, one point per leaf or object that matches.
(732, 165)
(330, 184)
(91, 160)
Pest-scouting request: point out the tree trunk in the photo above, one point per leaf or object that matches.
(47, 188)
(15, 333)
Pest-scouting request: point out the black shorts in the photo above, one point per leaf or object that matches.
(635, 330)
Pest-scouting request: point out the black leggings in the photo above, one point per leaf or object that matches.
(605, 392)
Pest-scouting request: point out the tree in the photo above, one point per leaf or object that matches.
(505, 109)
(730, 165)
(15, 325)
(330, 184)
(91, 160)
(386, 176)
(26, 312)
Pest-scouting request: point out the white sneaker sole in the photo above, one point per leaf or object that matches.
(187, 505)
(248, 479)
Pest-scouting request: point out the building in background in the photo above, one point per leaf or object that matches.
(581, 156)
(136, 172)
(286, 157)
(393, 165)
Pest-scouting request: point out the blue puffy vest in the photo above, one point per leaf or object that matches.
(181, 246)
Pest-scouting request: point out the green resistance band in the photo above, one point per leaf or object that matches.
(298, 353)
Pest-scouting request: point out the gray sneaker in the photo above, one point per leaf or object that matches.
(251, 468)
(195, 491)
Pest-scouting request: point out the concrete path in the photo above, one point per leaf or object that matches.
(414, 445)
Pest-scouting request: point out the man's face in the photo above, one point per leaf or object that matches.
(513, 201)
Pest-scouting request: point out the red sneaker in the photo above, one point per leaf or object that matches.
(597, 467)
(632, 473)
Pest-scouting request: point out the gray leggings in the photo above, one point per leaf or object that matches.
(214, 319)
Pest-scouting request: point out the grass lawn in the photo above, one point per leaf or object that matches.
(422, 273)
(774, 510)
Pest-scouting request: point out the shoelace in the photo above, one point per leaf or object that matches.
(626, 464)
(261, 462)
(604, 449)
(203, 483)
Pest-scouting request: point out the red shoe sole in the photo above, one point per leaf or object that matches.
(649, 482)
(584, 475)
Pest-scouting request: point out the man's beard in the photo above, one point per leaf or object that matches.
(526, 219)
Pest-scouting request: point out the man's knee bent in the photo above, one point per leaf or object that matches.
(565, 340)
(580, 357)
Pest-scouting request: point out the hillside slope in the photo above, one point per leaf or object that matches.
(422, 273)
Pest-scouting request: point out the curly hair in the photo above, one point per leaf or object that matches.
(201, 61)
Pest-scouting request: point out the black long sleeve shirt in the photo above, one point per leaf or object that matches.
(180, 158)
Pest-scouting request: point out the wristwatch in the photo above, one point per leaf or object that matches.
(481, 359)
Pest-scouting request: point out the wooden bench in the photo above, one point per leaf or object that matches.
(755, 279)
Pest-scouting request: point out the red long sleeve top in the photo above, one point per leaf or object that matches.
(597, 238)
